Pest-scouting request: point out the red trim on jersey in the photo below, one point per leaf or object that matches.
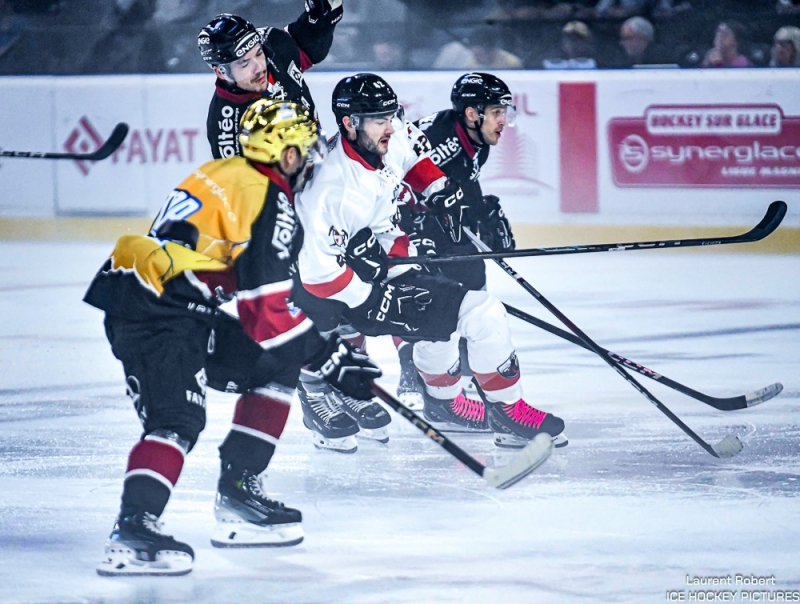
(305, 62)
(275, 177)
(400, 247)
(354, 155)
(465, 140)
(266, 317)
(213, 279)
(494, 381)
(236, 97)
(261, 413)
(326, 290)
(422, 174)
(439, 379)
(165, 460)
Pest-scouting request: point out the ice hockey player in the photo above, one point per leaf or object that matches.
(349, 211)
(461, 137)
(228, 232)
(251, 63)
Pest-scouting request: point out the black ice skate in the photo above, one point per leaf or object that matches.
(409, 386)
(137, 546)
(515, 425)
(332, 429)
(460, 414)
(370, 416)
(246, 517)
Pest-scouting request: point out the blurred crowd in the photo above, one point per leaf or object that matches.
(159, 36)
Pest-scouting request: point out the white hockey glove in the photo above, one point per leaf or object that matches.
(346, 369)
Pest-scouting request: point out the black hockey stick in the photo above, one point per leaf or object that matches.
(733, 403)
(772, 219)
(727, 447)
(518, 467)
(106, 149)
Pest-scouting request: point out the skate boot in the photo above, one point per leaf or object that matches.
(246, 517)
(138, 547)
(332, 429)
(460, 414)
(409, 387)
(370, 416)
(515, 425)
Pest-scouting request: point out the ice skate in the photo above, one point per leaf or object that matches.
(246, 517)
(516, 424)
(460, 414)
(371, 417)
(409, 386)
(332, 429)
(137, 547)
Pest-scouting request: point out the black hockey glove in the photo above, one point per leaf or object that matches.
(345, 369)
(398, 304)
(451, 209)
(495, 230)
(329, 10)
(366, 256)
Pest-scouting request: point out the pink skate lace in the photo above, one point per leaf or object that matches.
(468, 408)
(521, 412)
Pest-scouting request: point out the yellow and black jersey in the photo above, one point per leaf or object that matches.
(248, 240)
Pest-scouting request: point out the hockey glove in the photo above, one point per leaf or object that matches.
(495, 230)
(451, 209)
(345, 369)
(330, 10)
(397, 304)
(366, 256)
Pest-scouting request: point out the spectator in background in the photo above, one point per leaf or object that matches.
(636, 37)
(132, 46)
(577, 48)
(482, 51)
(615, 9)
(788, 7)
(388, 54)
(786, 47)
(729, 40)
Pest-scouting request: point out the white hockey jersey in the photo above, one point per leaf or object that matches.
(346, 195)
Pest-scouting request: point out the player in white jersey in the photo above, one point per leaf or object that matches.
(350, 215)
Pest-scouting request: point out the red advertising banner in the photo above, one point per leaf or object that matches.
(706, 146)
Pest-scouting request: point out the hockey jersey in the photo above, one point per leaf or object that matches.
(454, 152)
(248, 241)
(292, 52)
(348, 194)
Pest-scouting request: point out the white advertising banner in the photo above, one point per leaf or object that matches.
(658, 147)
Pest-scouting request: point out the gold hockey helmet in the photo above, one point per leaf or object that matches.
(269, 126)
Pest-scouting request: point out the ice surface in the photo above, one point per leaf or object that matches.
(623, 514)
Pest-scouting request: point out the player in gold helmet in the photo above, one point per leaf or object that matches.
(228, 231)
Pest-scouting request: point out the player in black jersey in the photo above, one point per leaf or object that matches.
(251, 63)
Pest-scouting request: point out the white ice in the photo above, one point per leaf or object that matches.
(625, 513)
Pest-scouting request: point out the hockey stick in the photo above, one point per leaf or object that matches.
(107, 148)
(727, 447)
(733, 403)
(518, 467)
(772, 219)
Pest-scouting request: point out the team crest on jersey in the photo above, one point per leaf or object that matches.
(339, 238)
(295, 73)
(509, 369)
(403, 195)
(276, 91)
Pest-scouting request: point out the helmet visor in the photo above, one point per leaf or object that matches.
(397, 118)
(504, 108)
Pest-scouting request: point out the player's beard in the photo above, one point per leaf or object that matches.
(367, 144)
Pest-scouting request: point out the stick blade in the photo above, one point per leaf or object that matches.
(112, 143)
(763, 395)
(521, 464)
(728, 447)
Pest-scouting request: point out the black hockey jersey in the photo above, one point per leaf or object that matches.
(249, 238)
(304, 45)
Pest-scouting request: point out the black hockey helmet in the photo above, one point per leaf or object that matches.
(478, 90)
(226, 39)
(364, 95)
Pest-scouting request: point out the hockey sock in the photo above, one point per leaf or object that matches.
(154, 465)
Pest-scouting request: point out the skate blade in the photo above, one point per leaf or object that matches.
(380, 435)
(411, 400)
(507, 441)
(347, 444)
(246, 534)
(122, 562)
